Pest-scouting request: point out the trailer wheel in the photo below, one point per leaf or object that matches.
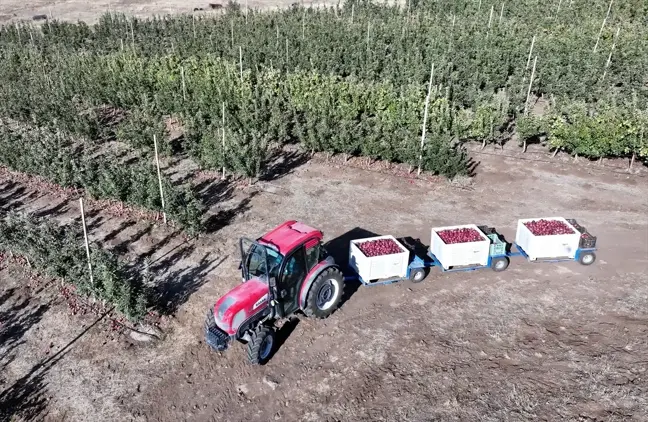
(417, 275)
(587, 258)
(325, 293)
(261, 345)
(500, 264)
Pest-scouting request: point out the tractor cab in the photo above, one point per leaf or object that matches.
(283, 272)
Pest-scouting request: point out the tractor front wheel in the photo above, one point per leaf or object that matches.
(325, 293)
(261, 345)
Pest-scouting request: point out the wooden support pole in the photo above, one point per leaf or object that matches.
(223, 177)
(526, 103)
(184, 86)
(490, 17)
(157, 163)
(530, 52)
(87, 244)
(609, 60)
(425, 116)
(602, 26)
(241, 62)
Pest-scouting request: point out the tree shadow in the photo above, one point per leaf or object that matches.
(122, 247)
(283, 163)
(26, 396)
(51, 211)
(177, 286)
(16, 320)
(471, 166)
(11, 196)
(123, 226)
(223, 218)
(212, 192)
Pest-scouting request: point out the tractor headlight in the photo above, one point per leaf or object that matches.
(238, 319)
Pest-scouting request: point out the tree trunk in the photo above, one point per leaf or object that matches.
(632, 160)
(600, 161)
(483, 144)
(524, 146)
(555, 152)
(575, 157)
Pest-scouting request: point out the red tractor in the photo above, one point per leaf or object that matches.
(285, 271)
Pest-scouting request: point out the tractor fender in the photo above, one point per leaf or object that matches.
(252, 321)
(310, 278)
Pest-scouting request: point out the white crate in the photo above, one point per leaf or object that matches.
(378, 267)
(460, 254)
(551, 246)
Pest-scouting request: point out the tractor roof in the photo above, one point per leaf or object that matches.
(289, 235)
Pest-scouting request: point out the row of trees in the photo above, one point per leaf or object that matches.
(258, 110)
(57, 250)
(604, 130)
(476, 53)
(104, 174)
(349, 80)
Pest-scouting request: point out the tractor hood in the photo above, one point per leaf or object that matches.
(244, 300)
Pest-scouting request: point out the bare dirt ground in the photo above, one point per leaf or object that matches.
(75, 10)
(537, 342)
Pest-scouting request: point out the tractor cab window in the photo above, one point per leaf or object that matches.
(260, 261)
(312, 256)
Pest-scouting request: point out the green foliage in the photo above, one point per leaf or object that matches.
(347, 80)
(104, 176)
(59, 252)
(598, 130)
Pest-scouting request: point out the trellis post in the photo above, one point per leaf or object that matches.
(223, 177)
(425, 115)
(159, 173)
(87, 244)
(602, 26)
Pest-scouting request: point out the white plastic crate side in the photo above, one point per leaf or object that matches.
(551, 246)
(379, 267)
(459, 254)
(358, 261)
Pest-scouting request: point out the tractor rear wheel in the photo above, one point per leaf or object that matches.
(261, 345)
(325, 293)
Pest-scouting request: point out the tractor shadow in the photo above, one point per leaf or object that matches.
(338, 248)
(283, 333)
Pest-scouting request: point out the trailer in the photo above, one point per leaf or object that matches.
(498, 258)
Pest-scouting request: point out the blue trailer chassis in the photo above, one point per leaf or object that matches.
(430, 261)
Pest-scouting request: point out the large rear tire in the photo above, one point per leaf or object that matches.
(261, 345)
(325, 293)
